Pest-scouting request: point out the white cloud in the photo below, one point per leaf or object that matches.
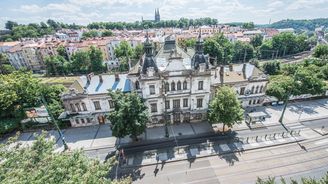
(109, 2)
(303, 4)
(63, 7)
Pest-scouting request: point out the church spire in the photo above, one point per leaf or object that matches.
(199, 43)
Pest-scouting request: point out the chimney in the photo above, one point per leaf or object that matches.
(88, 79)
(244, 70)
(230, 67)
(101, 79)
(221, 74)
(117, 77)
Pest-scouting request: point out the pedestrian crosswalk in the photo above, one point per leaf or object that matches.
(296, 126)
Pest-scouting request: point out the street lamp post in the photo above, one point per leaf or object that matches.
(287, 99)
(55, 122)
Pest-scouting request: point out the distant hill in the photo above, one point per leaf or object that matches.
(300, 24)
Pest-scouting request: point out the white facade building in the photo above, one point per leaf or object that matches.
(176, 84)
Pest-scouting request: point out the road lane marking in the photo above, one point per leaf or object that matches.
(254, 144)
(296, 127)
(321, 142)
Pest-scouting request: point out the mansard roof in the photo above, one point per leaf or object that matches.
(109, 82)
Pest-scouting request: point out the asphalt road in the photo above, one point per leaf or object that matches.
(287, 161)
(316, 123)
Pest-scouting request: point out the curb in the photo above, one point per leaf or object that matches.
(218, 154)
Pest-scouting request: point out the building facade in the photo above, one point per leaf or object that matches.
(176, 84)
(87, 102)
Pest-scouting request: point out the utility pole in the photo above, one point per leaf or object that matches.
(55, 122)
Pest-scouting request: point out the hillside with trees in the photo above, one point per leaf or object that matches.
(300, 24)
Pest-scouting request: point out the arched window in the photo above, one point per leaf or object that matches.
(184, 85)
(137, 85)
(257, 89)
(167, 87)
(172, 86)
(179, 85)
(84, 106)
(78, 107)
(261, 89)
(252, 92)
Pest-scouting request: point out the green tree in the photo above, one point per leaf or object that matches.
(189, 43)
(248, 25)
(96, 58)
(138, 51)
(55, 65)
(321, 51)
(3, 62)
(40, 163)
(80, 62)
(324, 72)
(266, 51)
(257, 40)
(124, 49)
(242, 52)
(225, 108)
(107, 33)
(129, 116)
(18, 90)
(271, 67)
(62, 52)
(214, 50)
(280, 87)
(90, 34)
(10, 25)
(52, 93)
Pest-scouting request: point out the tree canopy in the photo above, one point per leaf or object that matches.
(248, 25)
(301, 24)
(129, 116)
(283, 44)
(181, 23)
(20, 90)
(225, 107)
(321, 51)
(39, 163)
(271, 67)
(34, 30)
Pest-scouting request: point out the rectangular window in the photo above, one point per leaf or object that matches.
(111, 103)
(82, 121)
(200, 85)
(153, 107)
(77, 121)
(167, 104)
(199, 102)
(185, 102)
(152, 89)
(97, 105)
(242, 91)
(176, 103)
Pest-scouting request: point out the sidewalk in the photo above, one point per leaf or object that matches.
(295, 112)
(192, 152)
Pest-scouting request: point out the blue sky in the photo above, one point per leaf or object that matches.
(86, 11)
